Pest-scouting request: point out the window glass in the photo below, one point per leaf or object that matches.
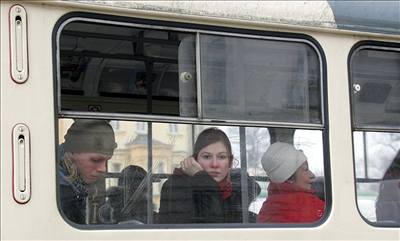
(173, 128)
(375, 78)
(262, 80)
(119, 192)
(377, 158)
(109, 68)
(149, 169)
(145, 181)
(141, 127)
(309, 142)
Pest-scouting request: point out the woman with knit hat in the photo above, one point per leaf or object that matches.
(88, 145)
(205, 189)
(290, 196)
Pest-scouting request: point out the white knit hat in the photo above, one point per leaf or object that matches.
(281, 161)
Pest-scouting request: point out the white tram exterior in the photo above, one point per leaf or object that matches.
(321, 75)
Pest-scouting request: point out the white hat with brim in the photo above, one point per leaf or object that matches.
(281, 161)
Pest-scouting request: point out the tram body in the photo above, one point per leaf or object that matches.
(38, 39)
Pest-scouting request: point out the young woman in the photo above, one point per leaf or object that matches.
(88, 145)
(205, 189)
(290, 196)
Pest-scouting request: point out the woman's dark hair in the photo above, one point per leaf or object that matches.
(210, 136)
(393, 171)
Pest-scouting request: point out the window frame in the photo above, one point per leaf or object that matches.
(376, 45)
(149, 118)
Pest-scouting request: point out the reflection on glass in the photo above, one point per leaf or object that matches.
(263, 80)
(127, 70)
(375, 79)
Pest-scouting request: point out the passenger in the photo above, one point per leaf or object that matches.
(127, 202)
(134, 185)
(205, 189)
(88, 145)
(388, 201)
(290, 197)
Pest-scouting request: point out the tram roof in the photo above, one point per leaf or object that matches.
(364, 16)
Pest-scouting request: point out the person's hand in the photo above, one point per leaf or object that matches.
(190, 166)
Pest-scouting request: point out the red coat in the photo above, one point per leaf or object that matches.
(288, 203)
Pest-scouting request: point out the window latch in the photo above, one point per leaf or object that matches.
(21, 164)
(18, 44)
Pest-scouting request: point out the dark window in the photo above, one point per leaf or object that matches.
(109, 68)
(375, 79)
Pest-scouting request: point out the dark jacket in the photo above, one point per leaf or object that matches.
(73, 195)
(388, 201)
(197, 199)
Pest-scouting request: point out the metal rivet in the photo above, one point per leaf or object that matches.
(22, 196)
(356, 87)
(18, 9)
(185, 77)
(19, 76)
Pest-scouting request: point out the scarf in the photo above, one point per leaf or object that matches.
(78, 185)
(225, 187)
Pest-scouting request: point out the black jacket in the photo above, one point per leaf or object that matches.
(197, 199)
(73, 195)
(73, 203)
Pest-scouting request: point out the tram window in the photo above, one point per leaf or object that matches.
(253, 79)
(148, 71)
(161, 170)
(375, 79)
(141, 174)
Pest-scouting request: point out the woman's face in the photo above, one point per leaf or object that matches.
(303, 177)
(90, 165)
(215, 160)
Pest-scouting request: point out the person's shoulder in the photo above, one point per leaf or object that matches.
(63, 180)
(394, 182)
(66, 191)
(176, 178)
(309, 198)
(236, 177)
(389, 189)
(236, 174)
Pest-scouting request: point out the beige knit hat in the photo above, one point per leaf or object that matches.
(281, 161)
